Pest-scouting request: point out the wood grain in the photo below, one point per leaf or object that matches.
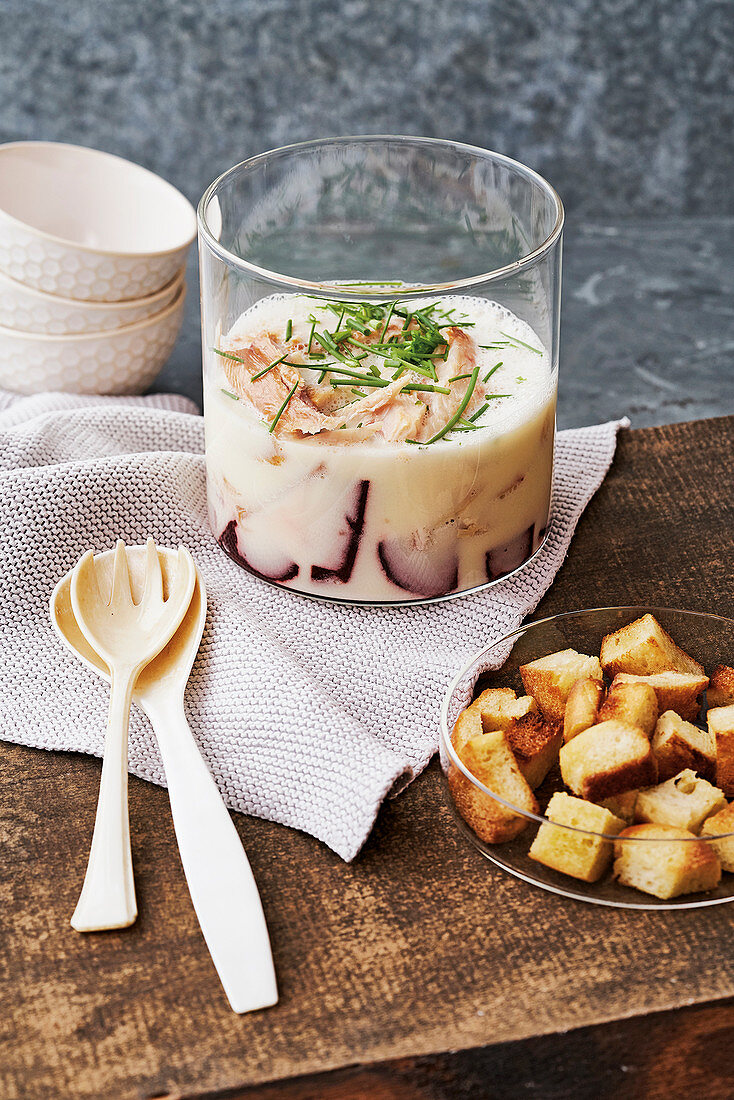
(685, 1053)
(418, 948)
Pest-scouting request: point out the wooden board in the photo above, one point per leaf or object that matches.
(417, 949)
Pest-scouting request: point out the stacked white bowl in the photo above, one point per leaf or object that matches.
(92, 260)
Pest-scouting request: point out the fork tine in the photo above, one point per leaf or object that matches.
(153, 590)
(184, 568)
(121, 593)
(86, 570)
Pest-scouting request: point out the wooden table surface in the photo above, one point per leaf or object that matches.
(419, 971)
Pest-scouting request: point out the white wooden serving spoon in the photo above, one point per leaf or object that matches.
(222, 887)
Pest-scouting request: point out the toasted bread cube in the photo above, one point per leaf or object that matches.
(499, 708)
(678, 691)
(644, 648)
(665, 861)
(622, 805)
(489, 758)
(721, 726)
(468, 725)
(578, 854)
(494, 709)
(684, 801)
(535, 744)
(635, 704)
(607, 759)
(582, 707)
(679, 745)
(720, 692)
(722, 822)
(549, 679)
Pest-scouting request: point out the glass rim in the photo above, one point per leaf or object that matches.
(528, 260)
(541, 819)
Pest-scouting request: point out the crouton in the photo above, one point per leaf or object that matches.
(500, 707)
(643, 648)
(607, 759)
(468, 725)
(684, 801)
(721, 725)
(622, 805)
(549, 679)
(488, 757)
(579, 854)
(722, 822)
(720, 692)
(535, 744)
(635, 704)
(665, 861)
(679, 745)
(678, 691)
(494, 709)
(582, 707)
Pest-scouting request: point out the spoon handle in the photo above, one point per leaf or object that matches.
(222, 887)
(107, 899)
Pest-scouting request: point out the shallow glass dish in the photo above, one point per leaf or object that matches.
(708, 638)
(438, 255)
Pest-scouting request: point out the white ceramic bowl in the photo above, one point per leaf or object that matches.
(29, 310)
(88, 225)
(124, 360)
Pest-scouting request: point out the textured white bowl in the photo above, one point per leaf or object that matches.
(29, 310)
(88, 225)
(125, 360)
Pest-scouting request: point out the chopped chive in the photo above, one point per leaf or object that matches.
(515, 340)
(352, 373)
(359, 393)
(496, 346)
(289, 329)
(478, 413)
(492, 396)
(460, 411)
(326, 342)
(282, 408)
(228, 355)
(387, 319)
(489, 374)
(230, 394)
(458, 377)
(418, 387)
(270, 366)
(367, 380)
(310, 338)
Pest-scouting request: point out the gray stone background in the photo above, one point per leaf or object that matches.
(626, 106)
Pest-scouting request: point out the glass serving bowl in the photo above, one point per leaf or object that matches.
(391, 227)
(708, 638)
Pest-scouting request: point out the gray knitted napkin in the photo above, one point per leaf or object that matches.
(307, 714)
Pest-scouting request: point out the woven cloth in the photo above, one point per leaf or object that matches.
(307, 714)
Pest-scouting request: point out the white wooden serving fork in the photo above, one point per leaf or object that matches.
(126, 636)
(221, 883)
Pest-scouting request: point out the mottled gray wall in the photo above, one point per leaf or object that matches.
(625, 105)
